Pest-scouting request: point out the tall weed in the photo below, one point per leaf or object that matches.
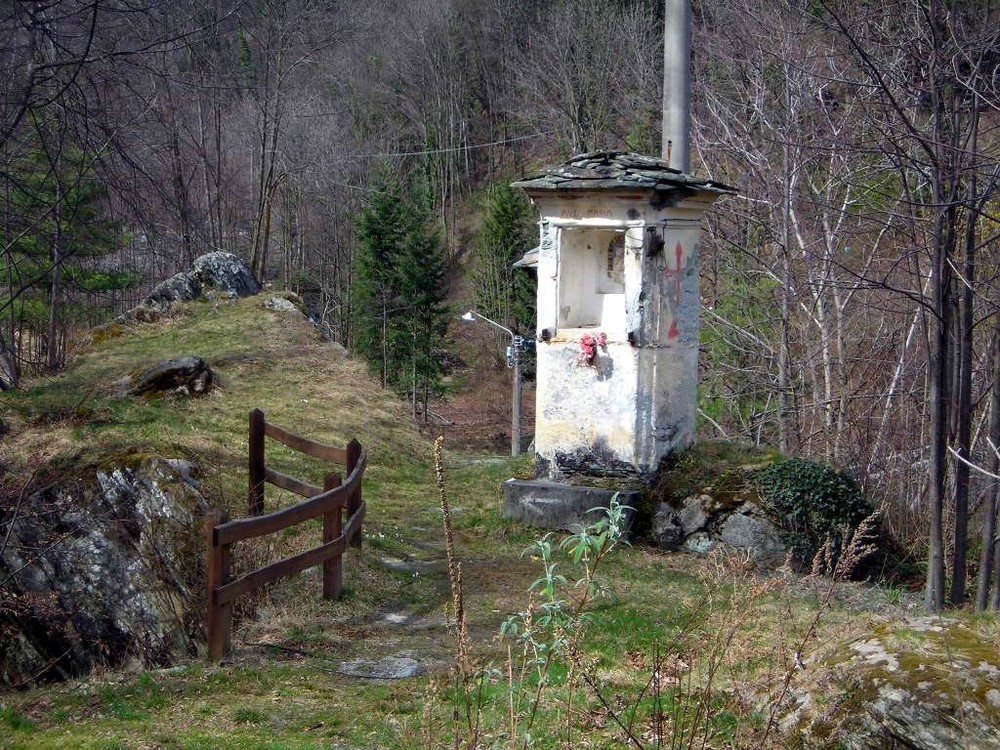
(717, 681)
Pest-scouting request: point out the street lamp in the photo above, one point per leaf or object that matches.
(513, 361)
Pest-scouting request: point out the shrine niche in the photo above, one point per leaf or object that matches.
(618, 308)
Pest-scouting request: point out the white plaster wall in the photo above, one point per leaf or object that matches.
(580, 304)
(586, 407)
(639, 399)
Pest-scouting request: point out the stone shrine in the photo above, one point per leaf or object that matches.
(618, 306)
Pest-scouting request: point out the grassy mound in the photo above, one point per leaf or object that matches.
(263, 359)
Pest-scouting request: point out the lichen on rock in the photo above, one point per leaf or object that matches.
(212, 274)
(917, 684)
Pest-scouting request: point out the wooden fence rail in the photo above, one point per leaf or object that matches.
(330, 501)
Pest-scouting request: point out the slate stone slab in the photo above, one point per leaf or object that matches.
(552, 505)
(387, 668)
(608, 170)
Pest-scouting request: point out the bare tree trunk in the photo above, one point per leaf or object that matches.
(990, 546)
(784, 363)
(939, 392)
(8, 366)
(52, 354)
(180, 193)
(995, 599)
(964, 432)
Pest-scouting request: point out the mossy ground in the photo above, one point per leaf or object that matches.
(714, 622)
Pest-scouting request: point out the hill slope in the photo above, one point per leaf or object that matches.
(372, 670)
(272, 360)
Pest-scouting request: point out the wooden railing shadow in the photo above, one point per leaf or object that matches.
(329, 501)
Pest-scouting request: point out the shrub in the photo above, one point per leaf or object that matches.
(811, 503)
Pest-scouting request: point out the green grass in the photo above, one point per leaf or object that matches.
(15, 721)
(284, 687)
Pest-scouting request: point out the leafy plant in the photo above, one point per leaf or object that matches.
(812, 503)
(543, 639)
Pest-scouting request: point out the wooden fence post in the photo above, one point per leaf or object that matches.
(220, 616)
(333, 569)
(354, 501)
(255, 496)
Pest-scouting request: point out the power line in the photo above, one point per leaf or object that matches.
(427, 152)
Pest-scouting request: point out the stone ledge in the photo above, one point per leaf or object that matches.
(563, 507)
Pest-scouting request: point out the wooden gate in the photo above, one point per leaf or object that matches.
(329, 501)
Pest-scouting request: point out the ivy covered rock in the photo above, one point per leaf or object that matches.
(710, 496)
(922, 684)
(812, 503)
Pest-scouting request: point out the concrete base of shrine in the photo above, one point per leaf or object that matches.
(564, 507)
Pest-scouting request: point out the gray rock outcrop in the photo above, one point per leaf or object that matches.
(750, 530)
(219, 273)
(102, 571)
(700, 523)
(181, 287)
(282, 304)
(186, 376)
(226, 274)
(921, 684)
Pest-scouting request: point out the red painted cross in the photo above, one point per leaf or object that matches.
(678, 276)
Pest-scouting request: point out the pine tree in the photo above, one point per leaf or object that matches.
(504, 293)
(58, 230)
(376, 294)
(400, 289)
(423, 281)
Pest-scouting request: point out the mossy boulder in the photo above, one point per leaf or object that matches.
(745, 498)
(922, 683)
(189, 375)
(705, 497)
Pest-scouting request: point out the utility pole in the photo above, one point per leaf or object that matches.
(675, 145)
(517, 389)
(516, 396)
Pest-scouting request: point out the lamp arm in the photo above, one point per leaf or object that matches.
(493, 322)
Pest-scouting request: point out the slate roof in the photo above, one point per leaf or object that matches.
(609, 170)
(529, 259)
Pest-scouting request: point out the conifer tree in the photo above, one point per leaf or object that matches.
(504, 293)
(56, 228)
(400, 289)
(423, 282)
(377, 297)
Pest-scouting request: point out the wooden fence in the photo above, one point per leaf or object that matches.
(328, 501)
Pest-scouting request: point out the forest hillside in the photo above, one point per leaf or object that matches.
(357, 154)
